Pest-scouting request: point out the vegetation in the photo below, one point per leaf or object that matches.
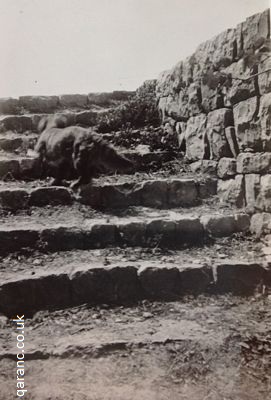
(140, 110)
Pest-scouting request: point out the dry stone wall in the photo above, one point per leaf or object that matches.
(218, 101)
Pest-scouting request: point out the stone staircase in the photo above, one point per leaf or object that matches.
(144, 210)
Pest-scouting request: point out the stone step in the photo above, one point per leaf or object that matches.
(27, 167)
(161, 193)
(49, 104)
(66, 228)
(209, 253)
(29, 122)
(18, 143)
(124, 283)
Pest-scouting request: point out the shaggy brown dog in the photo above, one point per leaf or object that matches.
(64, 150)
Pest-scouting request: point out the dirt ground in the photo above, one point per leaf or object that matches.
(199, 349)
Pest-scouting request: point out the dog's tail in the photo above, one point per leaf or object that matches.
(53, 121)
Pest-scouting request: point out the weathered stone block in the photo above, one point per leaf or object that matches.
(263, 201)
(50, 195)
(91, 195)
(162, 108)
(64, 238)
(236, 89)
(265, 121)
(194, 137)
(224, 48)
(10, 143)
(101, 235)
(125, 283)
(9, 167)
(264, 79)
(41, 104)
(132, 234)
(182, 193)
(161, 233)
(17, 239)
(13, 199)
(29, 295)
(247, 125)
(226, 168)
(260, 224)
(160, 283)
(189, 230)
(73, 100)
(232, 140)
(232, 191)
(217, 121)
(225, 225)
(195, 279)
(108, 285)
(87, 118)
(17, 123)
(163, 86)
(194, 99)
(211, 91)
(204, 166)
(152, 193)
(177, 105)
(255, 30)
(239, 278)
(207, 187)
(118, 196)
(29, 167)
(254, 163)
(252, 189)
(9, 105)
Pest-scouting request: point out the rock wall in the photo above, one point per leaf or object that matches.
(218, 101)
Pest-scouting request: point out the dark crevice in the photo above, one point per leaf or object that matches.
(256, 113)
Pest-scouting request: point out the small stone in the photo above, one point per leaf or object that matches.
(3, 320)
(267, 250)
(147, 315)
(37, 262)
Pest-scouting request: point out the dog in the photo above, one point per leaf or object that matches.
(67, 150)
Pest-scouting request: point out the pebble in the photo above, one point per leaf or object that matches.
(3, 320)
(147, 315)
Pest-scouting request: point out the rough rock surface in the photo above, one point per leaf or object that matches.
(43, 104)
(247, 124)
(217, 121)
(254, 163)
(232, 191)
(73, 100)
(226, 167)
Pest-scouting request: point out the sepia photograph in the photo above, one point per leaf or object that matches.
(135, 200)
